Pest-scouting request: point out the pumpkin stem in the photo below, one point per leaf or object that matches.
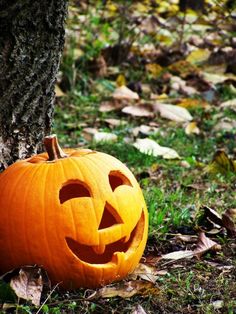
(53, 149)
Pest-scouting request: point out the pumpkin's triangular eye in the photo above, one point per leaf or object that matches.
(110, 217)
(116, 178)
(73, 189)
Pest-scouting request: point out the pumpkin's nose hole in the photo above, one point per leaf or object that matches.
(110, 217)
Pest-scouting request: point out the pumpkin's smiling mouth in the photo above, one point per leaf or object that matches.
(91, 255)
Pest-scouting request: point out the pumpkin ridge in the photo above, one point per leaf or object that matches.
(91, 160)
(10, 222)
(44, 218)
(82, 167)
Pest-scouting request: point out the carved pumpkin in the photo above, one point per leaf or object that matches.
(80, 214)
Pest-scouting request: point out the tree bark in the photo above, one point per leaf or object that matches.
(31, 42)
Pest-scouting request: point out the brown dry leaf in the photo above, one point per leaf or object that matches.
(172, 112)
(212, 215)
(138, 111)
(138, 310)
(231, 212)
(28, 284)
(115, 122)
(186, 238)
(126, 290)
(205, 244)
(111, 105)
(124, 92)
(88, 133)
(227, 220)
(192, 128)
(145, 272)
(228, 223)
(181, 86)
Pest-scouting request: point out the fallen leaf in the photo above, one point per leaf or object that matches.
(212, 215)
(183, 68)
(111, 105)
(227, 220)
(150, 147)
(221, 163)
(138, 310)
(154, 69)
(192, 128)
(229, 104)
(186, 238)
(28, 284)
(145, 272)
(145, 130)
(126, 290)
(88, 133)
(172, 112)
(198, 56)
(115, 122)
(218, 304)
(124, 92)
(58, 91)
(179, 85)
(193, 103)
(225, 125)
(120, 81)
(214, 78)
(228, 223)
(178, 255)
(205, 244)
(104, 137)
(138, 111)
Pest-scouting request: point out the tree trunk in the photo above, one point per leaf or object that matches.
(31, 42)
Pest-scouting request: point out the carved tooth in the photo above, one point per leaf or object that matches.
(99, 249)
(126, 239)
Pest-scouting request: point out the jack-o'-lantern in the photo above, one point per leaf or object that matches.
(80, 214)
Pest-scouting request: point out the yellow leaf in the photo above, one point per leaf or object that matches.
(192, 128)
(183, 68)
(112, 7)
(193, 103)
(154, 68)
(221, 163)
(198, 56)
(120, 81)
(59, 92)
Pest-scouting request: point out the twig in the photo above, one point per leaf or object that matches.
(54, 288)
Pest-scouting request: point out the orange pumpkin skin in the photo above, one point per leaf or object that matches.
(83, 218)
